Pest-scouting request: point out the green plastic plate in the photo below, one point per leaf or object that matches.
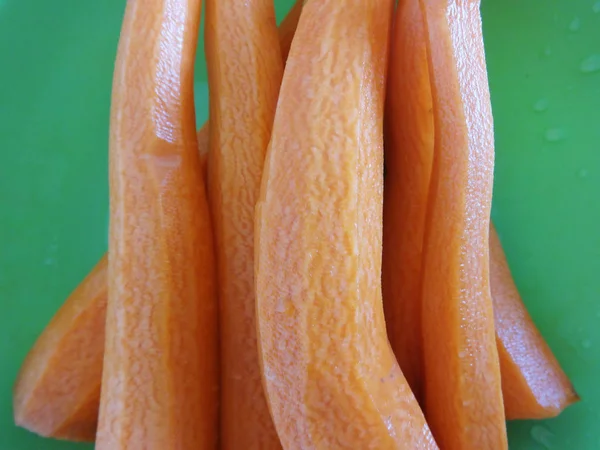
(544, 64)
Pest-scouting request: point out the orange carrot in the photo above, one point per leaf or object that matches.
(330, 375)
(409, 154)
(160, 377)
(59, 357)
(533, 384)
(49, 395)
(409, 158)
(463, 397)
(244, 74)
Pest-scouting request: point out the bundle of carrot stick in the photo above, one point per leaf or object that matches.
(266, 286)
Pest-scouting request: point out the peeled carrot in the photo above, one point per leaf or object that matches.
(58, 360)
(330, 375)
(533, 384)
(49, 395)
(244, 74)
(463, 396)
(160, 375)
(409, 158)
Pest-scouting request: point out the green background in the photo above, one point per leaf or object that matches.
(544, 63)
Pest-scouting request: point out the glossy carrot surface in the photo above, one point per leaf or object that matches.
(463, 397)
(74, 340)
(408, 159)
(160, 377)
(331, 378)
(533, 384)
(244, 75)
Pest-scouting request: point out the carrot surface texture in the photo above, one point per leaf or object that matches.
(160, 377)
(331, 378)
(533, 384)
(73, 342)
(463, 397)
(58, 387)
(244, 75)
(408, 158)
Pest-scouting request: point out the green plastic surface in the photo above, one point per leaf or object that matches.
(544, 65)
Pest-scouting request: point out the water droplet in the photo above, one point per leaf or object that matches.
(555, 134)
(583, 173)
(575, 25)
(49, 261)
(590, 64)
(541, 105)
(547, 51)
(542, 436)
(586, 343)
(596, 7)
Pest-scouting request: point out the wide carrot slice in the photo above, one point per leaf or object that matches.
(408, 159)
(50, 397)
(58, 359)
(160, 375)
(331, 378)
(244, 74)
(533, 384)
(463, 396)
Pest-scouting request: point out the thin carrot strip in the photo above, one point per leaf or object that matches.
(533, 384)
(244, 74)
(71, 348)
(463, 396)
(160, 375)
(331, 378)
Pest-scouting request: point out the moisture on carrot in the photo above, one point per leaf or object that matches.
(463, 397)
(330, 375)
(408, 159)
(244, 74)
(533, 384)
(160, 375)
(58, 387)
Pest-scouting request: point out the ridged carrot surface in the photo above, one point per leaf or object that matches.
(160, 377)
(463, 397)
(408, 159)
(533, 384)
(244, 75)
(58, 387)
(39, 405)
(330, 375)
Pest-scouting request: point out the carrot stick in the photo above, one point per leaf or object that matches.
(408, 158)
(463, 397)
(57, 357)
(49, 395)
(331, 378)
(533, 384)
(160, 375)
(244, 74)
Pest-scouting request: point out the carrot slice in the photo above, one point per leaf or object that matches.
(49, 396)
(533, 387)
(160, 375)
(242, 107)
(463, 397)
(330, 375)
(533, 384)
(57, 357)
(408, 159)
